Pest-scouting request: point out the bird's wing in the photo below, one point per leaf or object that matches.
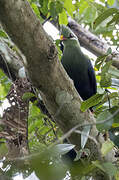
(92, 78)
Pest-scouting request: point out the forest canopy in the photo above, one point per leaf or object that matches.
(45, 117)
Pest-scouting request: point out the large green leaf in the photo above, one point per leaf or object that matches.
(105, 76)
(110, 2)
(36, 10)
(106, 147)
(82, 6)
(56, 7)
(100, 61)
(104, 16)
(63, 18)
(69, 7)
(44, 6)
(104, 116)
(109, 168)
(115, 112)
(27, 96)
(92, 101)
(89, 15)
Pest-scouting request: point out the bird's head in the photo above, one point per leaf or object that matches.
(67, 36)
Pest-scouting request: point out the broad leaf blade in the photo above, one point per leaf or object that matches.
(105, 15)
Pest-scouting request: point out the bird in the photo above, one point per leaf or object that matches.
(77, 65)
(79, 68)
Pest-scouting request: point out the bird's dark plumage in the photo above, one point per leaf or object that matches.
(79, 69)
(77, 65)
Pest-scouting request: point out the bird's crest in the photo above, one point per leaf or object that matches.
(66, 32)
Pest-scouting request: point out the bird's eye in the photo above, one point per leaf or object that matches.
(71, 35)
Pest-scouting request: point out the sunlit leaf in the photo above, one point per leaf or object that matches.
(92, 101)
(63, 18)
(110, 2)
(69, 7)
(106, 147)
(105, 80)
(35, 8)
(3, 34)
(82, 6)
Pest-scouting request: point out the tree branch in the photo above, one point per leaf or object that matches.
(92, 43)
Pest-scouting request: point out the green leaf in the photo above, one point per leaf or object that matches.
(106, 147)
(44, 7)
(104, 30)
(59, 7)
(106, 67)
(92, 101)
(114, 110)
(109, 168)
(110, 2)
(27, 96)
(105, 115)
(105, 80)
(99, 61)
(98, 165)
(82, 6)
(90, 14)
(104, 16)
(69, 7)
(35, 8)
(63, 18)
(105, 76)
(114, 135)
(114, 71)
(115, 20)
(109, 51)
(5, 85)
(41, 2)
(53, 9)
(3, 34)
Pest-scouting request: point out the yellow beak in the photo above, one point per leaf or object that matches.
(61, 37)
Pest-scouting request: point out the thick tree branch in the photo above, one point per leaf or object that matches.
(45, 70)
(92, 43)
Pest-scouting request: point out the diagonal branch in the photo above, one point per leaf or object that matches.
(92, 43)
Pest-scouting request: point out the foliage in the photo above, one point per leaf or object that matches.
(101, 19)
(5, 84)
